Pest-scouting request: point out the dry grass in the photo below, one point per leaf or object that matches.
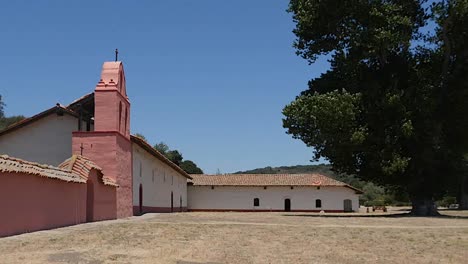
(248, 238)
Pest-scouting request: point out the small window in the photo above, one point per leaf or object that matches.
(318, 203)
(318, 187)
(141, 168)
(256, 202)
(120, 114)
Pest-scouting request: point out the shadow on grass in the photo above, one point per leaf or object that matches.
(370, 215)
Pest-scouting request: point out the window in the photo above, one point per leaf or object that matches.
(318, 203)
(120, 114)
(256, 202)
(126, 117)
(141, 168)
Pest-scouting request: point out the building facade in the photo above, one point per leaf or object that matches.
(95, 127)
(271, 193)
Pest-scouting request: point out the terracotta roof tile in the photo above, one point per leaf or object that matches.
(81, 166)
(14, 165)
(266, 180)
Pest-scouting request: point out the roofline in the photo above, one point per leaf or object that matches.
(282, 185)
(37, 117)
(358, 191)
(143, 144)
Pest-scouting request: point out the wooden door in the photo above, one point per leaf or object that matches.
(287, 205)
(348, 205)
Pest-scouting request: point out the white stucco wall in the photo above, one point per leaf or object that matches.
(241, 198)
(47, 141)
(158, 181)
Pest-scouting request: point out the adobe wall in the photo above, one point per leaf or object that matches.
(46, 141)
(30, 203)
(229, 198)
(112, 152)
(158, 181)
(105, 206)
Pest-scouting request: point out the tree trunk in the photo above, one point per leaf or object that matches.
(424, 207)
(463, 199)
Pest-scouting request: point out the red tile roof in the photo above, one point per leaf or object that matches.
(82, 166)
(143, 144)
(15, 165)
(267, 180)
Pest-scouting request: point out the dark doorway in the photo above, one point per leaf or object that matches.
(89, 201)
(180, 203)
(348, 205)
(140, 199)
(287, 205)
(318, 203)
(172, 202)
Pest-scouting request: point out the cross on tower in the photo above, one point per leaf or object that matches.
(116, 54)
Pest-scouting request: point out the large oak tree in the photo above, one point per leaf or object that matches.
(393, 106)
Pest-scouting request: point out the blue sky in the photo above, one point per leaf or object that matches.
(209, 78)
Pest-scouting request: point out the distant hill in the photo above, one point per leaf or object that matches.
(324, 169)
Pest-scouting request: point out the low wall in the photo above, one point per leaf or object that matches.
(30, 203)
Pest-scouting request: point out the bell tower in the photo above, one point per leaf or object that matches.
(109, 144)
(112, 106)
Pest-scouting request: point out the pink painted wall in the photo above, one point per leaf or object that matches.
(30, 203)
(109, 144)
(112, 152)
(104, 202)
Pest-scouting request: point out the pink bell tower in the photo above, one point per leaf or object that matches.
(109, 144)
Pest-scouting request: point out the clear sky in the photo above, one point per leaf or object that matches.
(209, 78)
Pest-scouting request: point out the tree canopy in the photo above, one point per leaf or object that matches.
(7, 121)
(175, 156)
(392, 107)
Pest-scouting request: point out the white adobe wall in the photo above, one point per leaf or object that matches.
(47, 141)
(241, 198)
(158, 180)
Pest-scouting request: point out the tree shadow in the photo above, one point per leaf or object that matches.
(371, 215)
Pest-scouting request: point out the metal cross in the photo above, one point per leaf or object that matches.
(116, 54)
(81, 147)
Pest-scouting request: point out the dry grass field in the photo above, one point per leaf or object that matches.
(248, 238)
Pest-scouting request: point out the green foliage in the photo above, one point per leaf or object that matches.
(392, 108)
(7, 121)
(447, 201)
(2, 106)
(174, 156)
(190, 167)
(140, 136)
(161, 147)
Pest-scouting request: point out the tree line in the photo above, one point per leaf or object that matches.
(175, 156)
(7, 121)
